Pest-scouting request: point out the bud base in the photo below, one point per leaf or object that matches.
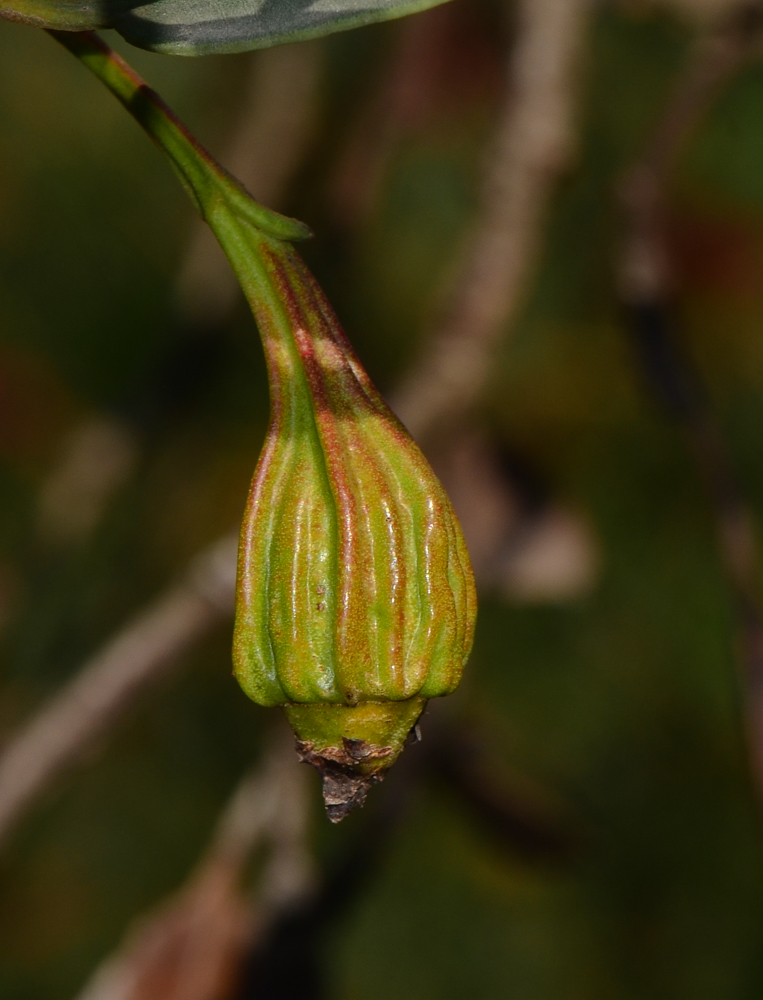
(351, 746)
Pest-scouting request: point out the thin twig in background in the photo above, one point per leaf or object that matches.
(644, 269)
(144, 651)
(445, 63)
(524, 544)
(192, 946)
(700, 12)
(289, 961)
(533, 145)
(645, 281)
(97, 457)
(550, 553)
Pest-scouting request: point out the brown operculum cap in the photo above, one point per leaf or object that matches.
(345, 779)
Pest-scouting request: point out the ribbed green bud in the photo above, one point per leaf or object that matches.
(356, 599)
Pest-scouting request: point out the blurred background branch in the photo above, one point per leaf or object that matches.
(533, 146)
(191, 947)
(526, 551)
(136, 658)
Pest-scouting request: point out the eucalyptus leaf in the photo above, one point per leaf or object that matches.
(198, 27)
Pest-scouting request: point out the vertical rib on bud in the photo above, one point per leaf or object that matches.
(356, 598)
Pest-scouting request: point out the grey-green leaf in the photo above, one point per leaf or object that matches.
(198, 27)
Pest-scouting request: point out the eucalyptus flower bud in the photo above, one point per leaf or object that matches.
(356, 599)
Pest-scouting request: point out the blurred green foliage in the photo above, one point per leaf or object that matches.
(625, 704)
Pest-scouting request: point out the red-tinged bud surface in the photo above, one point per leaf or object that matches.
(356, 598)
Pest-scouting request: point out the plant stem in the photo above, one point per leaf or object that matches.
(208, 183)
(241, 225)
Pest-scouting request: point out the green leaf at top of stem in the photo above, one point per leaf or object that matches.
(198, 27)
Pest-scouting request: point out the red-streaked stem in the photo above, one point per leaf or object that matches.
(205, 180)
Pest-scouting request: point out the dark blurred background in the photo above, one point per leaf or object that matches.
(611, 844)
